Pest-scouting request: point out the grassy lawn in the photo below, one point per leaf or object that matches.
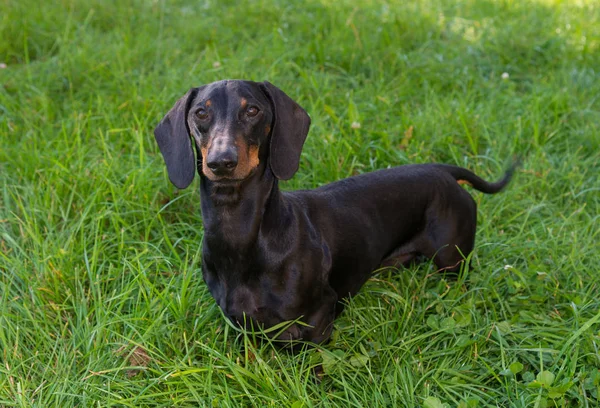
(101, 297)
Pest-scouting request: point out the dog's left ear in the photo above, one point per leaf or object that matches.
(173, 137)
(290, 129)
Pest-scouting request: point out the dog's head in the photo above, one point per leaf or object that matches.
(235, 125)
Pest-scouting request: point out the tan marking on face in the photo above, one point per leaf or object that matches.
(208, 103)
(267, 129)
(205, 169)
(243, 102)
(253, 155)
(463, 182)
(247, 160)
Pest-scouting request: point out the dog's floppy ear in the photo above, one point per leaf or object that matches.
(290, 129)
(173, 137)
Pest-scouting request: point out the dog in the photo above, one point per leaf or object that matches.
(270, 256)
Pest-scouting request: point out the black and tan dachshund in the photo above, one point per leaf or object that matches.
(271, 256)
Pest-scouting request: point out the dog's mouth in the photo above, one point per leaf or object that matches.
(226, 182)
(223, 179)
(225, 191)
(283, 332)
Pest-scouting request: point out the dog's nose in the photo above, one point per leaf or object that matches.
(223, 163)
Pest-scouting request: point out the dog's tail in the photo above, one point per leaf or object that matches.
(463, 175)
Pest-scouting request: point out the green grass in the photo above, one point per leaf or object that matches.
(101, 297)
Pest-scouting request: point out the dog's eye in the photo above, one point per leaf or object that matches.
(201, 114)
(252, 111)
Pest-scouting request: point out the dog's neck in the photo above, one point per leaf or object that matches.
(232, 214)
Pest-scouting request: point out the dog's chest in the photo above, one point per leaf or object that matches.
(255, 286)
(249, 299)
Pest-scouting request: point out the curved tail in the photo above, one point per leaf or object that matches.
(464, 175)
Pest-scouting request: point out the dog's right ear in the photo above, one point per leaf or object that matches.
(173, 137)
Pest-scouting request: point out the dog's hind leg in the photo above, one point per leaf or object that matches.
(449, 239)
(399, 257)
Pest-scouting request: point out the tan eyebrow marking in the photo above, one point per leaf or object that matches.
(243, 102)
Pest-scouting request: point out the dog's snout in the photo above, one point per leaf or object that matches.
(222, 162)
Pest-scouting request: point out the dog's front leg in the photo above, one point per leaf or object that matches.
(320, 322)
